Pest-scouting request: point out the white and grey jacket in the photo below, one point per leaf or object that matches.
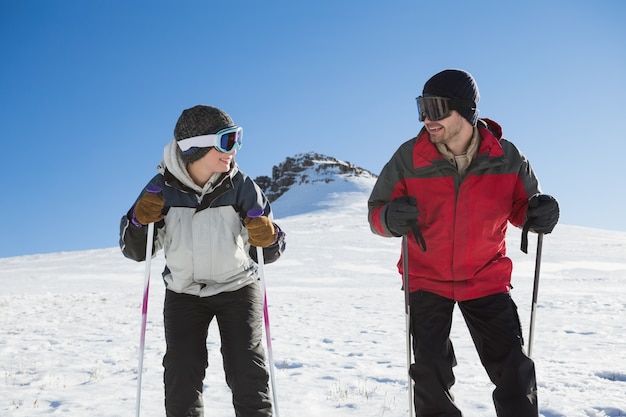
(202, 234)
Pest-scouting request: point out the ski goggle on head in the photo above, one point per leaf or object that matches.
(226, 140)
(437, 108)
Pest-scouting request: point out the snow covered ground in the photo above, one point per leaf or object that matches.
(69, 323)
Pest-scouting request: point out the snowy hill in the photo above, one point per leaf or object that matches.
(314, 182)
(70, 321)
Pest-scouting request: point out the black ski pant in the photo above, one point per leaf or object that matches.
(495, 328)
(239, 315)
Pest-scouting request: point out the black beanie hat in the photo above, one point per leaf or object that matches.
(456, 84)
(197, 121)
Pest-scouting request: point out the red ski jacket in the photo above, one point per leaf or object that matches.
(463, 217)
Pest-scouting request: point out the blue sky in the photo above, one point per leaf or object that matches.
(91, 91)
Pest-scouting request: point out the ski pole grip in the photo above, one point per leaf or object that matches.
(255, 212)
(153, 189)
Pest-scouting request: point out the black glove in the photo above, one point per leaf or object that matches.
(401, 214)
(542, 213)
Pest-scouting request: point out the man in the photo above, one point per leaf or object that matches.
(210, 243)
(453, 190)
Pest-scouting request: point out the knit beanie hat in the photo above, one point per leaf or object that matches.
(456, 84)
(197, 121)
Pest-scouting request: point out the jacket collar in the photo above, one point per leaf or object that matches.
(425, 153)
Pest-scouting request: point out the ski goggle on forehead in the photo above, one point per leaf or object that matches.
(437, 108)
(226, 140)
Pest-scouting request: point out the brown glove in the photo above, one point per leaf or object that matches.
(261, 232)
(148, 208)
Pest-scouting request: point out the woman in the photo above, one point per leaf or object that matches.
(201, 223)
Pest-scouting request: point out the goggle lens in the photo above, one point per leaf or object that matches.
(438, 108)
(230, 141)
(433, 108)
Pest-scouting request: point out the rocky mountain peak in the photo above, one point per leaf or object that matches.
(307, 168)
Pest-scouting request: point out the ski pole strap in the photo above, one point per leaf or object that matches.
(419, 238)
(525, 229)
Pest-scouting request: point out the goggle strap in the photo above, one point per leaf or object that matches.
(453, 103)
(203, 141)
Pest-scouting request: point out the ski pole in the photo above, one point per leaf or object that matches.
(407, 315)
(144, 306)
(535, 291)
(253, 213)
